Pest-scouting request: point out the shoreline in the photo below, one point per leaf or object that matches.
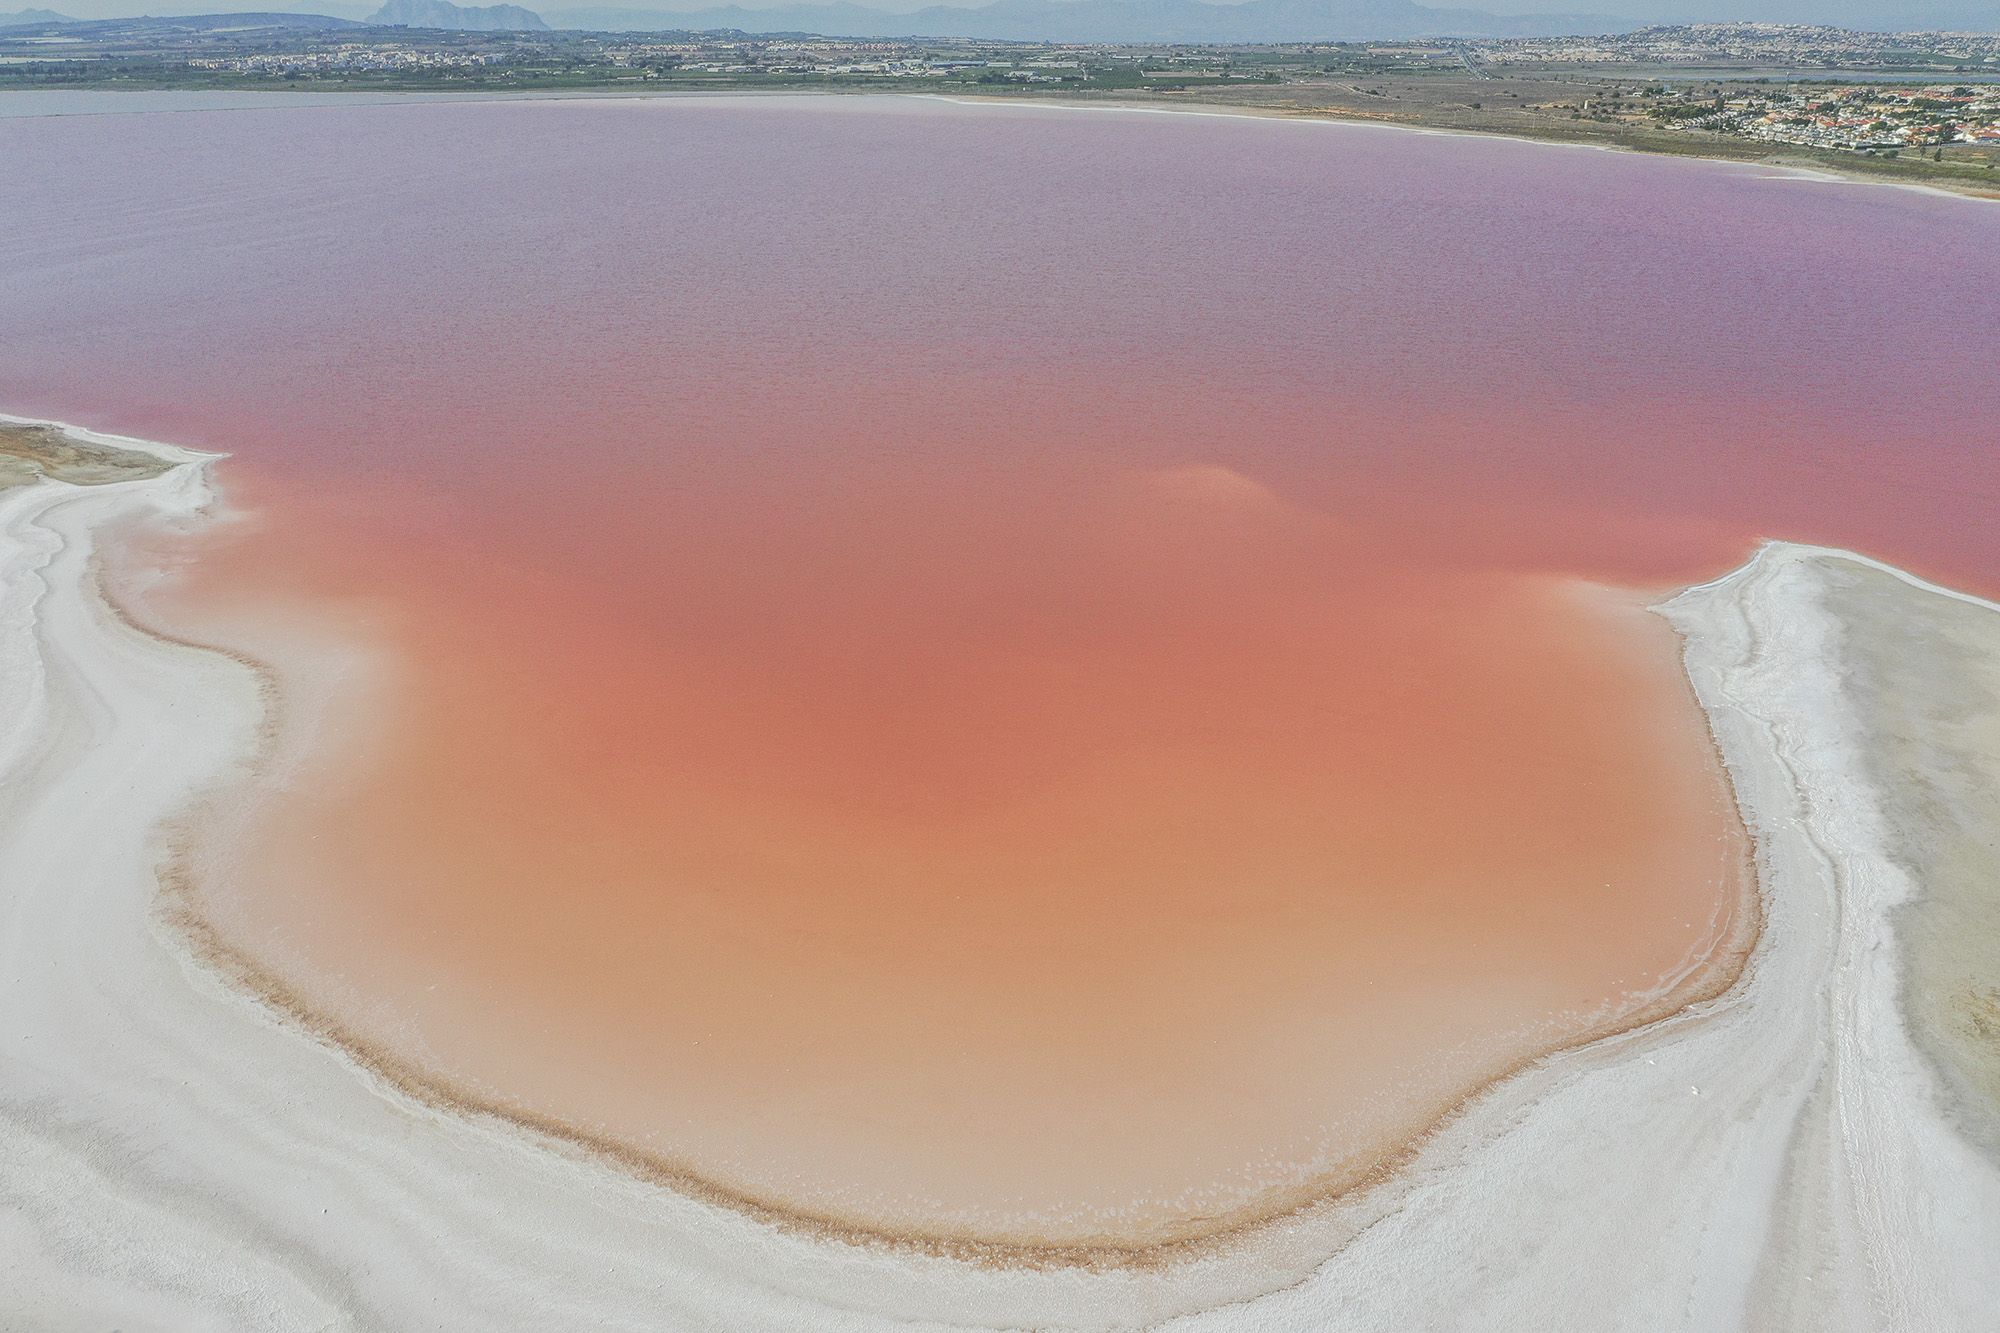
(1709, 972)
(1773, 163)
(1798, 164)
(1320, 1246)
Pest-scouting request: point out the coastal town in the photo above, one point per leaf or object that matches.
(1798, 46)
(1707, 88)
(1868, 119)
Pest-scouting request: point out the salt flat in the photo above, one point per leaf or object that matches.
(177, 1154)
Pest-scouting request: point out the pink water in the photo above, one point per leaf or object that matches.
(995, 672)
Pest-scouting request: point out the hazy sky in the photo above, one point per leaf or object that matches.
(1870, 13)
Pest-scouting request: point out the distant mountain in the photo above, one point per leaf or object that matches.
(1110, 21)
(150, 26)
(230, 22)
(457, 18)
(40, 18)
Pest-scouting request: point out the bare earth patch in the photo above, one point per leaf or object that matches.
(31, 451)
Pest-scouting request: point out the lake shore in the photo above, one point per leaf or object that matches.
(1799, 162)
(164, 1115)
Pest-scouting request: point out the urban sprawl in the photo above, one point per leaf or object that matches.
(1825, 89)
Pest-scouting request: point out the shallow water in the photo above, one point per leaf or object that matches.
(989, 671)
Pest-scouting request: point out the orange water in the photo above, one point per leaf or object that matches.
(1023, 866)
(984, 672)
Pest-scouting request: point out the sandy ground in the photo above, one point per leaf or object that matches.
(177, 1155)
(1924, 671)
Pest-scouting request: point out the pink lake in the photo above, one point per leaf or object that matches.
(1037, 676)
